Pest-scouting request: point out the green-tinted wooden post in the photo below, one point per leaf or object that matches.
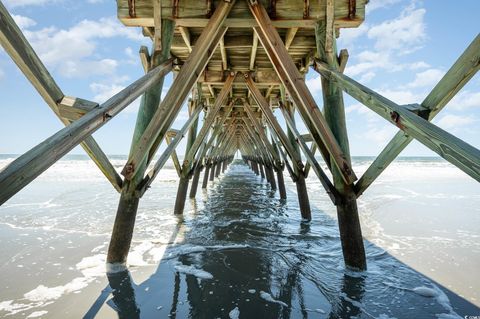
(334, 112)
(205, 175)
(127, 208)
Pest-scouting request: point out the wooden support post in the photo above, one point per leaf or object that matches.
(281, 184)
(347, 210)
(218, 168)
(195, 179)
(205, 175)
(181, 195)
(127, 208)
(185, 80)
(212, 171)
(303, 201)
(466, 66)
(22, 53)
(294, 83)
(271, 179)
(262, 172)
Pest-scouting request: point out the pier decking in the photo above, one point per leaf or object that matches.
(236, 61)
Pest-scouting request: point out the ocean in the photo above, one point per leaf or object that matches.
(239, 251)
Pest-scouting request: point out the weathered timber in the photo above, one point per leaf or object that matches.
(168, 152)
(347, 211)
(297, 88)
(124, 224)
(205, 175)
(466, 66)
(323, 178)
(451, 148)
(181, 86)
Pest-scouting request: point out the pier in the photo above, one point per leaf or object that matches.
(234, 64)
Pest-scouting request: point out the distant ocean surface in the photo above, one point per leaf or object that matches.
(239, 251)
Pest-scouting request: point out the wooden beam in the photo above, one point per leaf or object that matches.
(22, 53)
(329, 26)
(157, 20)
(299, 92)
(207, 123)
(243, 22)
(223, 53)
(145, 58)
(253, 54)
(176, 163)
(451, 148)
(466, 66)
(73, 108)
(186, 37)
(291, 32)
(27, 167)
(148, 180)
(329, 188)
(181, 87)
(263, 104)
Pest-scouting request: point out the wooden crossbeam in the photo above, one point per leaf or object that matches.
(186, 37)
(326, 183)
(22, 53)
(272, 121)
(466, 66)
(147, 181)
(183, 83)
(207, 123)
(27, 167)
(223, 53)
(295, 85)
(253, 53)
(291, 32)
(451, 148)
(73, 108)
(176, 163)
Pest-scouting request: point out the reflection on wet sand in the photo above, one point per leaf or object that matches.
(267, 264)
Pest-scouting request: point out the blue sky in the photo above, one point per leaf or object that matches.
(401, 51)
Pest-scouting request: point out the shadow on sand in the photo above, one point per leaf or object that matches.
(247, 255)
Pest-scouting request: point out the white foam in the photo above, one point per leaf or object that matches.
(92, 266)
(252, 291)
(234, 314)
(37, 314)
(425, 291)
(192, 270)
(112, 268)
(266, 296)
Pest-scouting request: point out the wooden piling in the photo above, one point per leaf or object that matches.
(303, 200)
(128, 204)
(205, 175)
(181, 196)
(281, 184)
(212, 171)
(218, 168)
(334, 111)
(195, 179)
(262, 171)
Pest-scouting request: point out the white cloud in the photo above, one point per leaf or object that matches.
(23, 22)
(377, 4)
(401, 96)
(401, 33)
(380, 135)
(465, 100)
(350, 35)
(72, 52)
(95, 1)
(314, 85)
(367, 77)
(451, 121)
(2, 74)
(418, 65)
(23, 3)
(427, 78)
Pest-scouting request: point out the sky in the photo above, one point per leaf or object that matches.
(401, 51)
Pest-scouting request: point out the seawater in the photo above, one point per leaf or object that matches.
(239, 251)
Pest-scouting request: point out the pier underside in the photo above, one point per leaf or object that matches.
(234, 64)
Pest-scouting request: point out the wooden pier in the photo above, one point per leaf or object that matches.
(234, 63)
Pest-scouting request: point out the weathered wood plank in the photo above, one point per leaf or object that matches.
(466, 66)
(451, 148)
